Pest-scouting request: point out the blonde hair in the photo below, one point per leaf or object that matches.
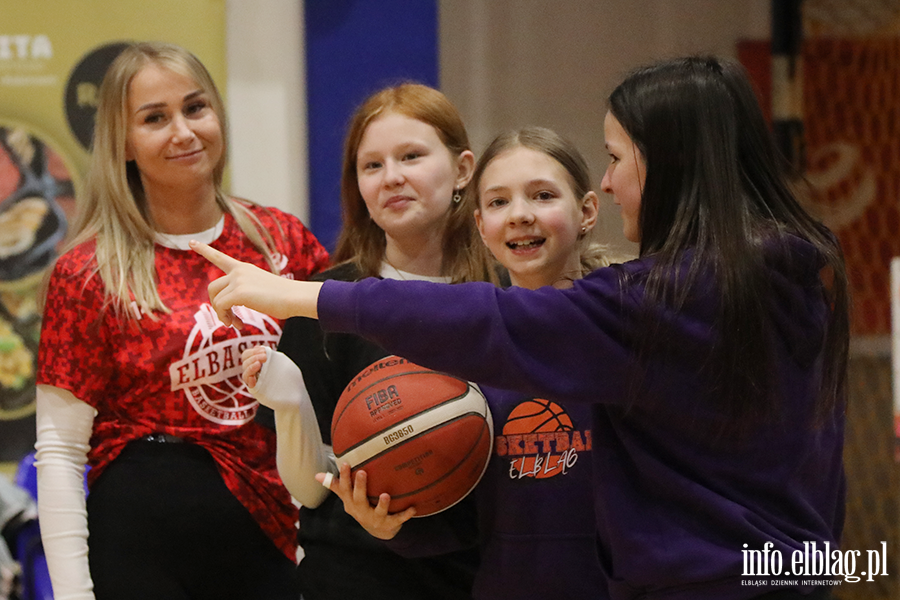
(112, 208)
(546, 141)
(361, 240)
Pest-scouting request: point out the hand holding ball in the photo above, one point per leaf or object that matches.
(421, 436)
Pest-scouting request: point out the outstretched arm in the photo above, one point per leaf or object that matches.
(301, 453)
(247, 285)
(577, 343)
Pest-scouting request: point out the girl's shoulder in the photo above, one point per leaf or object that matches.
(346, 271)
(793, 256)
(74, 274)
(620, 284)
(625, 271)
(290, 236)
(77, 259)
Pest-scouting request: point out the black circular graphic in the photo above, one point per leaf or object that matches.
(82, 88)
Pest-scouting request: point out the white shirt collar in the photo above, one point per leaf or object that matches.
(180, 241)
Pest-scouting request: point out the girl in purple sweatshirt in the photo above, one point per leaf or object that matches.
(714, 364)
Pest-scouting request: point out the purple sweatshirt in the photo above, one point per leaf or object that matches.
(675, 506)
(536, 528)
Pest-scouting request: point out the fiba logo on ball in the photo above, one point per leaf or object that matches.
(540, 440)
(210, 371)
(422, 436)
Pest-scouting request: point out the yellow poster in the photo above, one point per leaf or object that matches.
(53, 54)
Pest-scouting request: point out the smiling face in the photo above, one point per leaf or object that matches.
(530, 218)
(174, 135)
(407, 176)
(625, 176)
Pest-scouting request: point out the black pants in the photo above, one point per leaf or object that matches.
(163, 525)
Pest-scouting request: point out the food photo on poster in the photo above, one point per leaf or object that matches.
(36, 203)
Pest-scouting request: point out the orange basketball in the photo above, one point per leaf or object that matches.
(422, 436)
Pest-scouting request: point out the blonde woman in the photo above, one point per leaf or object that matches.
(139, 379)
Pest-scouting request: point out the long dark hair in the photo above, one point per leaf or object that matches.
(717, 189)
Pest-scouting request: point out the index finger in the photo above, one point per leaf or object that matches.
(220, 259)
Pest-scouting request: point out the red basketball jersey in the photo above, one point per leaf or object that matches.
(180, 372)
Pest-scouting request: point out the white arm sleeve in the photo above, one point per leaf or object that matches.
(301, 452)
(64, 426)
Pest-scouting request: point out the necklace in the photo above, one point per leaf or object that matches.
(389, 271)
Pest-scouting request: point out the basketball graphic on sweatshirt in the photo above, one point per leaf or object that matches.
(540, 440)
